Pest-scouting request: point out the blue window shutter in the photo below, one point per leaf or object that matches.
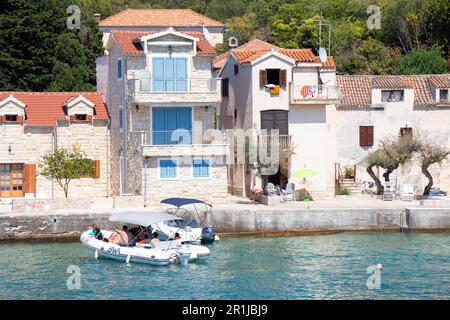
(185, 122)
(205, 168)
(181, 74)
(200, 168)
(158, 74)
(169, 75)
(168, 169)
(159, 125)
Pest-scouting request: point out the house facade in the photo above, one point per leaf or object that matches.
(376, 108)
(34, 124)
(162, 95)
(290, 90)
(331, 122)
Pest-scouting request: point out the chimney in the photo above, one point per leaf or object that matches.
(97, 17)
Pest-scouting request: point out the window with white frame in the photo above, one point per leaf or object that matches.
(392, 95)
(119, 69)
(168, 168)
(201, 168)
(443, 95)
(121, 119)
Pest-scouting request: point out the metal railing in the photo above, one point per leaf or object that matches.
(301, 93)
(283, 140)
(191, 85)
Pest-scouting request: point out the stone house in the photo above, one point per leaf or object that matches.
(33, 124)
(162, 96)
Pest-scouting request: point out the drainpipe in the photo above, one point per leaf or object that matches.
(145, 182)
(107, 156)
(125, 145)
(54, 148)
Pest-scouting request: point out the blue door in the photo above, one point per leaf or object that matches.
(169, 74)
(165, 122)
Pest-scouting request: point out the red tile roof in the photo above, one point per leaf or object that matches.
(440, 82)
(158, 18)
(219, 61)
(129, 43)
(43, 108)
(256, 48)
(356, 89)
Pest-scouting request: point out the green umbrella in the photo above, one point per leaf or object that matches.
(304, 173)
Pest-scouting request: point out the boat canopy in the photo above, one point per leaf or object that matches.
(143, 218)
(179, 202)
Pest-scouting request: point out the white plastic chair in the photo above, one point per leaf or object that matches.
(407, 192)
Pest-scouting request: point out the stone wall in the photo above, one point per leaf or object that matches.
(30, 144)
(212, 190)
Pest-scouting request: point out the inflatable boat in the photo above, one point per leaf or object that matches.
(163, 253)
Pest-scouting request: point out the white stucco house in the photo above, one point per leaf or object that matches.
(291, 90)
(375, 108)
(158, 78)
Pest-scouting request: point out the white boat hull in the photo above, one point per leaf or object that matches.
(166, 252)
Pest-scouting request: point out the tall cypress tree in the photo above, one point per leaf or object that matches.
(38, 52)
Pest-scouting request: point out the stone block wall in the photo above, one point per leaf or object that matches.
(212, 190)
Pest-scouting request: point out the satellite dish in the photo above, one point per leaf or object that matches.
(323, 55)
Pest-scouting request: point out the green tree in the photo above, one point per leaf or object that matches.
(35, 41)
(431, 153)
(423, 61)
(64, 166)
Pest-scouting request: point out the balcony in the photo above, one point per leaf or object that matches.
(309, 94)
(192, 90)
(165, 144)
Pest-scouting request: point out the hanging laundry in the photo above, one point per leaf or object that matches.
(305, 91)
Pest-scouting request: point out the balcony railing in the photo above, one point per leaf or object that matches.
(171, 137)
(161, 86)
(283, 140)
(314, 94)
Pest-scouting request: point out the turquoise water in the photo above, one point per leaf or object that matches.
(415, 266)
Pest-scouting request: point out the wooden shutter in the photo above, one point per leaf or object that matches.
(29, 178)
(366, 136)
(283, 78)
(96, 169)
(2, 119)
(262, 78)
(225, 87)
(89, 118)
(73, 117)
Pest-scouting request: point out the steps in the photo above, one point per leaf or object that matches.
(351, 185)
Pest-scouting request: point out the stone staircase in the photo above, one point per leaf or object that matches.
(352, 186)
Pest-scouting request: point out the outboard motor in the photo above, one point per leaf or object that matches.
(208, 235)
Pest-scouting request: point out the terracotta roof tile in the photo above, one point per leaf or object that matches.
(356, 90)
(158, 18)
(219, 61)
(129, 44)
(440, 81)
(43, 108)
(389, 82)
(256, 48)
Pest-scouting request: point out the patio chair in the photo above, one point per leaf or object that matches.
(388, 195)
(407, 192)
(289, 193)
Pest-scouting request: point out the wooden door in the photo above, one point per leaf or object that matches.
(11, 180)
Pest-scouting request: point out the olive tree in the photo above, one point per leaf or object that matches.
(390, 156)
(429, 154)
(64, 165)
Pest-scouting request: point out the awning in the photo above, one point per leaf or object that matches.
(179, 202)
(142, 218)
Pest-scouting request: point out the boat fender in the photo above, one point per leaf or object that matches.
(128, 258)
(96, 254)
